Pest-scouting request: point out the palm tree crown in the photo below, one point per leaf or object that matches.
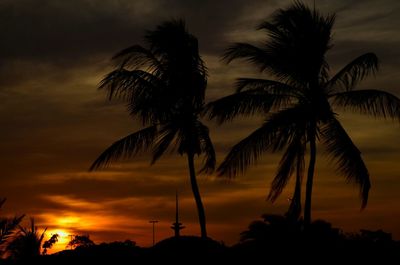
(298, 102)
(27, 244)
(164, 86)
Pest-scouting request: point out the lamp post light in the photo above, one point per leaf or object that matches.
(154, 236)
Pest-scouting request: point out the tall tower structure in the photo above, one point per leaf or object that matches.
(177, 226)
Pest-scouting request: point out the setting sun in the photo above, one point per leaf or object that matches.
(63, 239)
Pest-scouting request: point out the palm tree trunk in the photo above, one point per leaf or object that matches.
(196, 194)
(310, 176)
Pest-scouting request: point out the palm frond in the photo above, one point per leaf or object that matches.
(8, 227)
(288, 164)
(369, 101)
(248, 52)
(247, 102)
(147, 96)
(207, 149)
(294, 211)
(137, 57)
(348, 158)
(127, 147)
(165, 137)
(125, 84)
(270, 86)
(276, 132)
(247, 152)
(353, 73)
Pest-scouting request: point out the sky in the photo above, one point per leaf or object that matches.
(54, 122)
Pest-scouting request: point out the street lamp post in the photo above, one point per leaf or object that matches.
(154, 236)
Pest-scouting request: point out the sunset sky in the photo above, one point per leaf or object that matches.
(54, 122)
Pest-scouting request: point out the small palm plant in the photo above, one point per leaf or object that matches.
(8, 229)
(27, 244)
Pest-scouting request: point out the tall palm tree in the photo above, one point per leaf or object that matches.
(164, 86)
(298, 102)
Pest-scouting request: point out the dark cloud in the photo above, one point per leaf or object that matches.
(67, 30)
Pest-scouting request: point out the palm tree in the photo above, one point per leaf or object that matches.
(27, 244)
(297, 102)
(8, 229)
(164, 86)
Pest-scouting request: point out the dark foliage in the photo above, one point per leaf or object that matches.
(82, 241)
(8, 229)
(298, 103)
(275, 238)
(49, 243)
(164, 86)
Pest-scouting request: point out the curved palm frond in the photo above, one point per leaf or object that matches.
(8, 227)
(274, 135)
(127, 84)
(290, 162)
(294, 211)
(137, 57)
(248, 52)
(145, 94)
(246, 102)
(348, 158)
(369, 101)
(127, 147)
(130, 84)
(353, 73)
(247, 151)
(271, 86)
(165, 137)
(207, 148)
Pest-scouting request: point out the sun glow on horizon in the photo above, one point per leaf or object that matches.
(63, 239)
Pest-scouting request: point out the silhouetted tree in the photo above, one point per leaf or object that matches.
(8, 228)
(80, 241)
(164, 85)
(48, 244)
(27, 243)
(298, 102)
(272, 230)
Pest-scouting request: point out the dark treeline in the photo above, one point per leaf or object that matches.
(274, 239)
